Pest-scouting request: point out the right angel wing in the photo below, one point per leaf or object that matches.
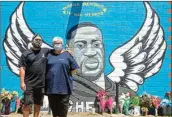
(142, 56)
(17, 39)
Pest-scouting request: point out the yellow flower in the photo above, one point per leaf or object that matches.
(15, 93)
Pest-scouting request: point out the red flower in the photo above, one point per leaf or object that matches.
(105, 100)
(156, 101)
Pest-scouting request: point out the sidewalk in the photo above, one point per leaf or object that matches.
(85, 114)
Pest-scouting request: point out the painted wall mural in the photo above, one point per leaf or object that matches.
(112, 42)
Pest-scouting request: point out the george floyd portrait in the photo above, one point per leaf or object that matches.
(85, 40)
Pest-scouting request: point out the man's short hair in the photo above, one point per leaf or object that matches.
(83, 24)
(57, 38)
(35, 36)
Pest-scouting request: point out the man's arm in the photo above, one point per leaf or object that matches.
(22, 76)
(70, 52)
(73, 65)
(22, 65)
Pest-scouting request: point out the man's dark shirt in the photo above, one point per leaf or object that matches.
(34, 62)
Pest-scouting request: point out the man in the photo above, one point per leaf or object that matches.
(32, 75)
(85, 40)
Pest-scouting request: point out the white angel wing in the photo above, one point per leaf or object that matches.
(142, 56)
(17, 39)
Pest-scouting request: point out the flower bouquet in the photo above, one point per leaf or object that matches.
(134, 104)
(5, 99)
(156, 103)
(121, 102)
(14, 96)
(8, 100)
(126, 103)
(104, 101)
(145, 103)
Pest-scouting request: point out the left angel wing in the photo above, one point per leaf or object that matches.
(142, 56)
(17, 39)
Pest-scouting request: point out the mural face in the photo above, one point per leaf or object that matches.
(87, 46)
(132, 61)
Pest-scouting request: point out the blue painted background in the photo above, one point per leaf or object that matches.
(119, 24)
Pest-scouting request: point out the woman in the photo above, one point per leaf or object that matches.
(60, 67)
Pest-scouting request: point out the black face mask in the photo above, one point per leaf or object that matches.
(37, 43)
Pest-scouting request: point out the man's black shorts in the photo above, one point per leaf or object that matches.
(33, 96)
(59, 104)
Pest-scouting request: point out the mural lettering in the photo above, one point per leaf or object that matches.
(101, 10)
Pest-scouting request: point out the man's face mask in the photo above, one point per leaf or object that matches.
(37, 42)
(58, 47)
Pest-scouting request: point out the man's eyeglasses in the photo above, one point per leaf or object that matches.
(38, 39)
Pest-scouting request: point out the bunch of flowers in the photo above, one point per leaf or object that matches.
(134, 100)
(7, 98)
(167, 101)
(168, 95)
(105, 100)
(156, 101)
(122, 97)
(145, 101)
(126, 103)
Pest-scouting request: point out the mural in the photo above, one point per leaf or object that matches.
(139, 57)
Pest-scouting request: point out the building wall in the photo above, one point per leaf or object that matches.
(118, 22)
